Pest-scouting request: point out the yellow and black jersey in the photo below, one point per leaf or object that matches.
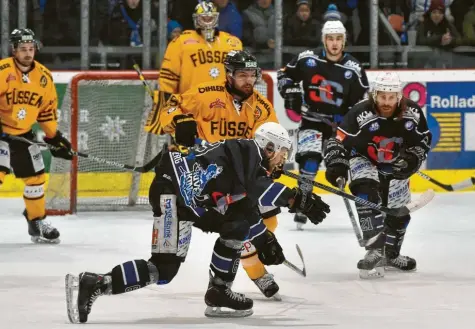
(26, 98)
(190, 60)
(217, 114)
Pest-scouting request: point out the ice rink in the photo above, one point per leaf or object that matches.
(441, 294)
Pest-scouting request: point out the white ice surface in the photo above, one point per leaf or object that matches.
(441, 294)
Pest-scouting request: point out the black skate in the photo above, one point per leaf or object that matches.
(300, 219)
(372, 265)
(42, 231)
(89, 287)
(220, 295)
(401, 263)
(268, 286)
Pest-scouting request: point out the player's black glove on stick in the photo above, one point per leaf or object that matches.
(336, 162)
(269, 250)
(408, 162)
(185, 130)
(293, 98)
(309, 204)
(61, 146)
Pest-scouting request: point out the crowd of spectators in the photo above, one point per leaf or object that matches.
(441, 24)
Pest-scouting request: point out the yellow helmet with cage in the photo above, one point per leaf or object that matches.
(206, 18)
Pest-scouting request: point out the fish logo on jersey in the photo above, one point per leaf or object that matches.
(193, 182)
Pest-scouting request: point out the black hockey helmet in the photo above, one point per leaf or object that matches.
(23, 36)
(241, 60)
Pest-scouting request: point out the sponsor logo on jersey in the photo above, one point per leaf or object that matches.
(167, 220)
(4, 66)
(348, 74)
(251, 65)
(202, 90)
(193, 182)
(10, 77)
(374, 126)
(353, 64)
(363, 117)
(219, 104)
(409, 125)
(263, 103)
(43, 81)
(214, 72)
(414, 112)
(311, 62)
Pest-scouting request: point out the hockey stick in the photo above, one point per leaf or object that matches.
(413, 206)
(142, 169)
(303, 271)
(142, 78)
(341, 183)
(469, 182)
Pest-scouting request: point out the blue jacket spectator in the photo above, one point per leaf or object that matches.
(230, 19)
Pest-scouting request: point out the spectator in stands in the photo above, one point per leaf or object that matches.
(458, 9)
(174, 29)
(182, 12)
(435, 29)
(469, 27)
(301, 29)
(420, 7)
(259, 25)
(230, 20)
(333, 14)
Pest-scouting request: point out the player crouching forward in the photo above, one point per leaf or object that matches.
(220, 184)
(389, 139)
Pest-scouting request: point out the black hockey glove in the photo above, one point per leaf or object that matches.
(61, 146)
(185, 130)
(270, 252)
(336, 162)
(309, 204)
(408, 163)
(293, 98)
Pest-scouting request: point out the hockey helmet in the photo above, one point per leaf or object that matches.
(205, 19)
(273, 137)
(333, 27)
(387, 82)
(241, 60)
(19, 36)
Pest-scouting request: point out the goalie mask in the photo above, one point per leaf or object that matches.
(205, 19)
(242, 73)
(274, 139)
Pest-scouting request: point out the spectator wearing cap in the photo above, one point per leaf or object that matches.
(436, 30)
(301, 29)
(230, 20)
(420, 7)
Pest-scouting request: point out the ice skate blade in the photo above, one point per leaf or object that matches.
(277, 297)
(218, 312)
(395, 269)
(300, 226)
(72, 286)
(41, 240)
(375, 273)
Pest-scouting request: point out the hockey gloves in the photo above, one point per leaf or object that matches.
(408, 162)
(61, 146)
(336, 162)
(293, 98)
(270, 252)
(185, 130)
(309, 204)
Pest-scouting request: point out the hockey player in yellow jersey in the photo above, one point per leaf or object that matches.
(196, 56)
(27, 96)
(215, 111)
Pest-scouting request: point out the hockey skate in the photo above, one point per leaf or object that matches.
(300, 219)
(42, 232)
(372, 265)
(268, 286)
(81, 293)
(401, 263)
(220, 295)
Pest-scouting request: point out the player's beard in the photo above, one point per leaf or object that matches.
(247, 89)
(387, 110)
(25, 61)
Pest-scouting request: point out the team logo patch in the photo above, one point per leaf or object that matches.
(257, 113)
(232, 42)
(43, 81)
(348, 74)
(311, 62)
(409, 125)
(219, 104)
(214, 72)
(374, 126)
(192, 183)
(21, 115)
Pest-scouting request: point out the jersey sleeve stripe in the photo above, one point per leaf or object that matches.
(271, 194)
(168, 71)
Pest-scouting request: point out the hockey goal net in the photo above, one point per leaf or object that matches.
(103, 114)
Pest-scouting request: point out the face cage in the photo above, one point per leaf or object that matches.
(207, 28)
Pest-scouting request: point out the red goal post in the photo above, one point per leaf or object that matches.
(103, 113)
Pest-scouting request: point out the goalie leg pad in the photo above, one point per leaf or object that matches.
(133, 275)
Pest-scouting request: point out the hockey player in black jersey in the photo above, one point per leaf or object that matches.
(333, 81)
(219, 188)
(382, 141)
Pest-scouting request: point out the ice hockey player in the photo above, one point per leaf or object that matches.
(218, 185)
(196, 56)
(333, 81)
(27, 96)
(215, 111)
(383, 142)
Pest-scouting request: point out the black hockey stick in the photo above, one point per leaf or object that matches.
(469, 182)
(303, 271)
(423, 200)
(141, 169)
(341, 183)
